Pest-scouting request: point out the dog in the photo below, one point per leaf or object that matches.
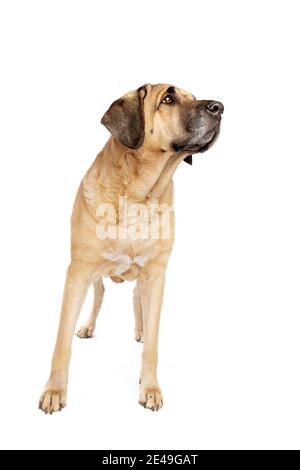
(152, 129)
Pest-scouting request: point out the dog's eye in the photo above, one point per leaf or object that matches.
(168, 99)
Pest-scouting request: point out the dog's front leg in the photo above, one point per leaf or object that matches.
(151, 289)
(78, 279)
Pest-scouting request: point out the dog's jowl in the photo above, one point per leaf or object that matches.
(123, 220)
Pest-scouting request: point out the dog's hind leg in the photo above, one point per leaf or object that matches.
(87, 330)
(138, 314)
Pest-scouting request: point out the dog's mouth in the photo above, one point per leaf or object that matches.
(201, 145)
(208, 140)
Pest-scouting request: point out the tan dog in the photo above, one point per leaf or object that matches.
(153, 129)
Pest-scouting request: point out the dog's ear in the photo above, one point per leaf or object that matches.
(125, 118)
(188, 159)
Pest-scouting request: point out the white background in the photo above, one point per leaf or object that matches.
(229, 342)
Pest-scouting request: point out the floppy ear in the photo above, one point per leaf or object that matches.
(125, 118)
(188, 159)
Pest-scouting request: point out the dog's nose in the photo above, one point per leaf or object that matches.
(215, 108)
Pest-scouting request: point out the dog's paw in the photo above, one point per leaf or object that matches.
(86, 331)
(151, 397)
(52, 400)
(139, 336)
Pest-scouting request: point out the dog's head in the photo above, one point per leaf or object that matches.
(163, 118)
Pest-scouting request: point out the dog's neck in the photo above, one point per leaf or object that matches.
(143, 175)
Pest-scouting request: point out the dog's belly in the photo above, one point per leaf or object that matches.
(121, 266)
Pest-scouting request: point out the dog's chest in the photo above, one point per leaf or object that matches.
(135, 238)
